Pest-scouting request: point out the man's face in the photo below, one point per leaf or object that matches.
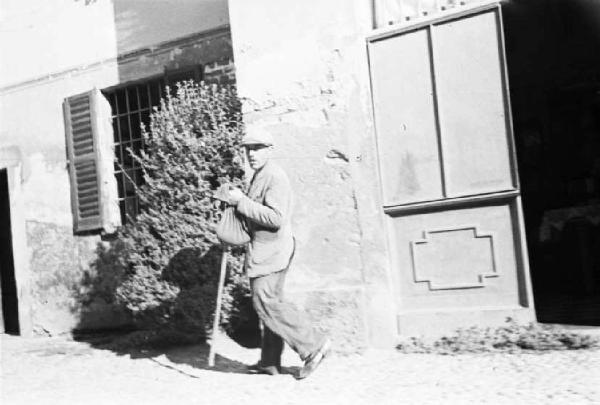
(258, 155)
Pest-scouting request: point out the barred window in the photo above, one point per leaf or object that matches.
(131, 106)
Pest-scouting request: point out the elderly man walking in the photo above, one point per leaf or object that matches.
(267, 208)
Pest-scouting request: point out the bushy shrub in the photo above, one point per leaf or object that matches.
(171, 256)
(511, 337)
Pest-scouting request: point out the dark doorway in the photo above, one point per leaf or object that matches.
(554, 72)
(10, 309)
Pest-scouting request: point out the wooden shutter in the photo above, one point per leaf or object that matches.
(89, 141)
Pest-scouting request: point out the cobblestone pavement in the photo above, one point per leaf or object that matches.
(58, 371)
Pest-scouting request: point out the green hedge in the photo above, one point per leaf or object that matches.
(168, 259)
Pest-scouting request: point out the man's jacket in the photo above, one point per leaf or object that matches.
(268, 209)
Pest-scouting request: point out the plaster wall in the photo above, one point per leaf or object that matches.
(302, 72)
(64, 34)
(42, 38)
(46, 50)
(55, 258)
(63, 48)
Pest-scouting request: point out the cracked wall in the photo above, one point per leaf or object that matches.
(302, 73)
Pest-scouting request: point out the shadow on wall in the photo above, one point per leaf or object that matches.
(162, 268)
(174, 308)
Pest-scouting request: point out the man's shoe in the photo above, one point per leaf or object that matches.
(258, 368)
(314, 360)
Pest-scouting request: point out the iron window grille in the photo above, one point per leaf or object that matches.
(131, 107)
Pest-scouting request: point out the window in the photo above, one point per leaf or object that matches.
(100, 128)
(389, 12)
(131, 106)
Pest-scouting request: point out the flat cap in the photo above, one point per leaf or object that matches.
(257, 136)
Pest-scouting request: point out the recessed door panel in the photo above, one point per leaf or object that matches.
(456, 258)
(405, 119)
(472, 108)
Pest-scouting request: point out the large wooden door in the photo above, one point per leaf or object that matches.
(449, 181)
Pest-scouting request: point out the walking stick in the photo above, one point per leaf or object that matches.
(215, 330)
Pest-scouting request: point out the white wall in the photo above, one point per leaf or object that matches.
(50, 50)
(36, 41)
(42, 37)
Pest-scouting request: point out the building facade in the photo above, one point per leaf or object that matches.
(76, 74)
(399, 141)
(393, 118)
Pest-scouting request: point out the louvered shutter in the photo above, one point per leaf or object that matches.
(89, 149)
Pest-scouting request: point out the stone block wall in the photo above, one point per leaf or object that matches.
(220, 72)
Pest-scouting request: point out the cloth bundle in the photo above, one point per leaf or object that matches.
(232, 228)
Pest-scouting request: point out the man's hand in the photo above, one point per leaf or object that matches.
(235, 195)
(228, 194)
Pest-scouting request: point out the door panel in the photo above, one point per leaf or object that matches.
(405, 119)
(448, 173)
(456, 258)
(472, 112)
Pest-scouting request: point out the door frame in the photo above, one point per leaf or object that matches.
(11, 160)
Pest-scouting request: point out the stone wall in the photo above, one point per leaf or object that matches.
(65, 282)
(221, 71)
(312, 92)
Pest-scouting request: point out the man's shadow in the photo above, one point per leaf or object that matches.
(184, 360)
(196, 357)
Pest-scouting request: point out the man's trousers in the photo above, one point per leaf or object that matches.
(282, 321)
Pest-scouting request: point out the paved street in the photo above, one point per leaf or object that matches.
(57, 371)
